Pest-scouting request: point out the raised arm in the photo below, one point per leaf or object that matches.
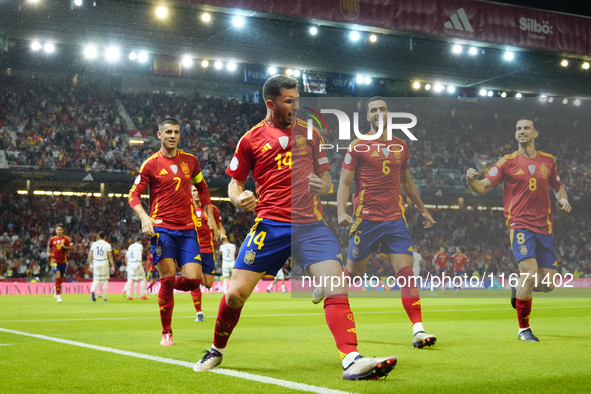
(241, 198)
(478, 187)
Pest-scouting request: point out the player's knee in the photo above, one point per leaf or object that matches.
(235, 298)
(548, 288)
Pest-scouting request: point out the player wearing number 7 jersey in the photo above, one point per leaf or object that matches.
(527, 174)
(290, 172)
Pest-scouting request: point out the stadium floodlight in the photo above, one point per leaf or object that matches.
(90, 52)
(416, 85)
(231, 66)
(564, 63)
(451, 89)
(427, 87)
(238, 21)
(161, 12)
(565, 101)
(313, 30)
(438, 87)
(132, 56)
(78, 3)
(543, 98)
(482, 92)
(49, 48)
(577, 102)
(289, 72)
(187, 61)
(550, 99)
(518, 95)
(142, 57)
(457, 49)
(296, 73)
(373, 38)
(586, 66)
(504, 94)
(509, 55)
(272, 70)
(218, 65)
(490, 93)
(205, 17)
(359, 79)
(367, 80)
(33, 1)
(205, 64)
(354, 36)
(112, 54)
(473, 51)
(35, 46)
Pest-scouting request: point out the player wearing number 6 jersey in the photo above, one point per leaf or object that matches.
(290, 172)
(379, 224)
(172, 221)
(527, 174)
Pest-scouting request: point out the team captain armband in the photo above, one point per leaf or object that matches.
(198, 178)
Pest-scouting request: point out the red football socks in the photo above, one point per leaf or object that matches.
(58, 286)
(409, 293)
(166, 302)
(196, 296)
(186, 284)
(523, 306)
(341, 323)
(226, 321)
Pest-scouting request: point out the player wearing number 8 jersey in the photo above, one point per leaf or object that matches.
(290, 172)
(172, 221)
(527, 175)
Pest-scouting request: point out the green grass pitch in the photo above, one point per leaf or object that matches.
(279, 337)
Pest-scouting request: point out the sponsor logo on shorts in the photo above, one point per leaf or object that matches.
(249, 257)
(523, 250)
(355, 251)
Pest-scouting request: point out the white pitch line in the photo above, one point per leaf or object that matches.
(287, 314)
(5, 344)
(242, 375)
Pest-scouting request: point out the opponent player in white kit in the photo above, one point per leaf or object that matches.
(99, 258)
(417, 259)
(135, 270)
(228, 251)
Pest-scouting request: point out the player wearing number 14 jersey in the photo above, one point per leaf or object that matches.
(527, 174)
(290, 172)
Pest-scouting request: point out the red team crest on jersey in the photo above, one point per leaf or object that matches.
(185, 168)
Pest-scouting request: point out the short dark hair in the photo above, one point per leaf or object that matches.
(374, 98)
(531, 120)
(138, 238)
(60, 225)
(102, 235)
(272, 88)
(168, 120)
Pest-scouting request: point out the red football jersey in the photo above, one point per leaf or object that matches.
(204, 233)
(377, 178)
(281, 162)
(526, 190)
(150, 266)
(59, 254)
(460, 260)
(441, 260)
(171, 202)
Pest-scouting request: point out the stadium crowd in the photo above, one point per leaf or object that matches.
(81, 128)
(27, 224)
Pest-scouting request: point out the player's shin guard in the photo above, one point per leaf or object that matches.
(409, 293)
(196, 296)
(166, 302)
(226, 321)
(186, 284)
(58, 286)
(341, 323)
(523, 311)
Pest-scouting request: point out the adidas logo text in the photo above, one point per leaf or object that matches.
(459, 21)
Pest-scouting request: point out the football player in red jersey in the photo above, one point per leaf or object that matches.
(460, 261)
(379, 224)
(57, 252)
(290, 172)
(527, 175)
(205, 238)
(440, 261)
(171, 223)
